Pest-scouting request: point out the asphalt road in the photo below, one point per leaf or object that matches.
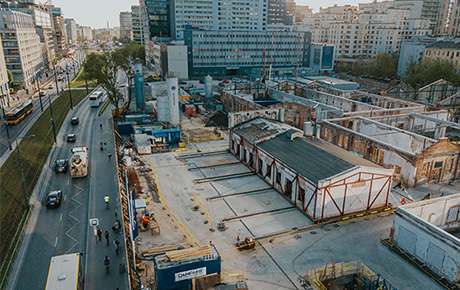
(66, 229)
(16, 130)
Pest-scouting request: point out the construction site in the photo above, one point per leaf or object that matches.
(256, 195)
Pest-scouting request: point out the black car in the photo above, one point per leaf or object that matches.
(74, 121)
(54, 199)
(61, 165)
(71, 138)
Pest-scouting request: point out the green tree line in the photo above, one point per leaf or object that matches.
(104, 68)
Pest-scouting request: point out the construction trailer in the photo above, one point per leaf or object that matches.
(321, 179)
(192, 273)
(428, 231)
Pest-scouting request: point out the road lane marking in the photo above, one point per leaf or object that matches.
(68, 181)
(55, 243)
(60, 220)
(77, 220)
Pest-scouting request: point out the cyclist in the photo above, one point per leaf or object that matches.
(107, 263)
(106, 200)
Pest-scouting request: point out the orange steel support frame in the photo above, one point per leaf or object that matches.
(253, 163)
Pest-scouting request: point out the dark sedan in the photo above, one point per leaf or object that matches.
(61, 165)
(74, 121)
(54, 199)
(71, 138)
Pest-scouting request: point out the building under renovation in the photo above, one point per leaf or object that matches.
(320, 179)
(417, 159)
(428, 231)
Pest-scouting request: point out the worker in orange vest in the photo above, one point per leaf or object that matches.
(403, 201)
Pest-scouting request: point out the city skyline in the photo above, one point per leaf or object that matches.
(91, 17)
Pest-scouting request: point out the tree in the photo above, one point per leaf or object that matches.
(429, 71)
(107, 79)
(359, 67)
(342, 67)
(10, 76)
(383, 65)
(93, 65)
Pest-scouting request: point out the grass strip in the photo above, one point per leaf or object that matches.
(34, 153)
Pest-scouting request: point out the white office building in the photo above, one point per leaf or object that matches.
(4, 89)
(21, 47)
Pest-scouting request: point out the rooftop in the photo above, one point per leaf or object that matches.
(446, 45)
(314, 159)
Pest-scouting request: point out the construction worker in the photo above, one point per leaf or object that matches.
(145, 221)
(403, 201)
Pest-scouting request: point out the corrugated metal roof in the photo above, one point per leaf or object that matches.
(305, 158)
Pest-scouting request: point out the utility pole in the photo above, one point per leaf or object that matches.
(52, 118)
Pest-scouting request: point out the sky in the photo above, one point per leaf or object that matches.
(96, 13)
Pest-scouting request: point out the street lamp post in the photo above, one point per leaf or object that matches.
(52, 118)
(70, 91)
(55, 78)
(24, 189)
(6, 128)
(39, 96)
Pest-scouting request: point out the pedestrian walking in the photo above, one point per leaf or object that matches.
(105, 145)
(110, 155)
(116, 244)
(99, 233)
(100, 124)
(107, 236)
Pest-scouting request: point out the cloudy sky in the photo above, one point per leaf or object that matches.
(96, 13)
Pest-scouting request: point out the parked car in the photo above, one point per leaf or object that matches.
(71, 138)
(61, 165)
(54, 199)
(226, 81)
(74, 121)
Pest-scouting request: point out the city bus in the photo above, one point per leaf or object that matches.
(16, 115)
(65, 272)
(95, 98)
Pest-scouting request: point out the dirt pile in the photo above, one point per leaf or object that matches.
(217, 119)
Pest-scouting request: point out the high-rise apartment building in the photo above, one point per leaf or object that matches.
(59, 29)
(450, 18)
(71, 30)
(279, 12)
(21, 47)
(432, 10)
(138, 31)
(126, 25)
(369, 29)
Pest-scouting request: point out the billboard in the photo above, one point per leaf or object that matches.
(327, 57)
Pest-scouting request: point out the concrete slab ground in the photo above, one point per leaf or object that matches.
(277, 262)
